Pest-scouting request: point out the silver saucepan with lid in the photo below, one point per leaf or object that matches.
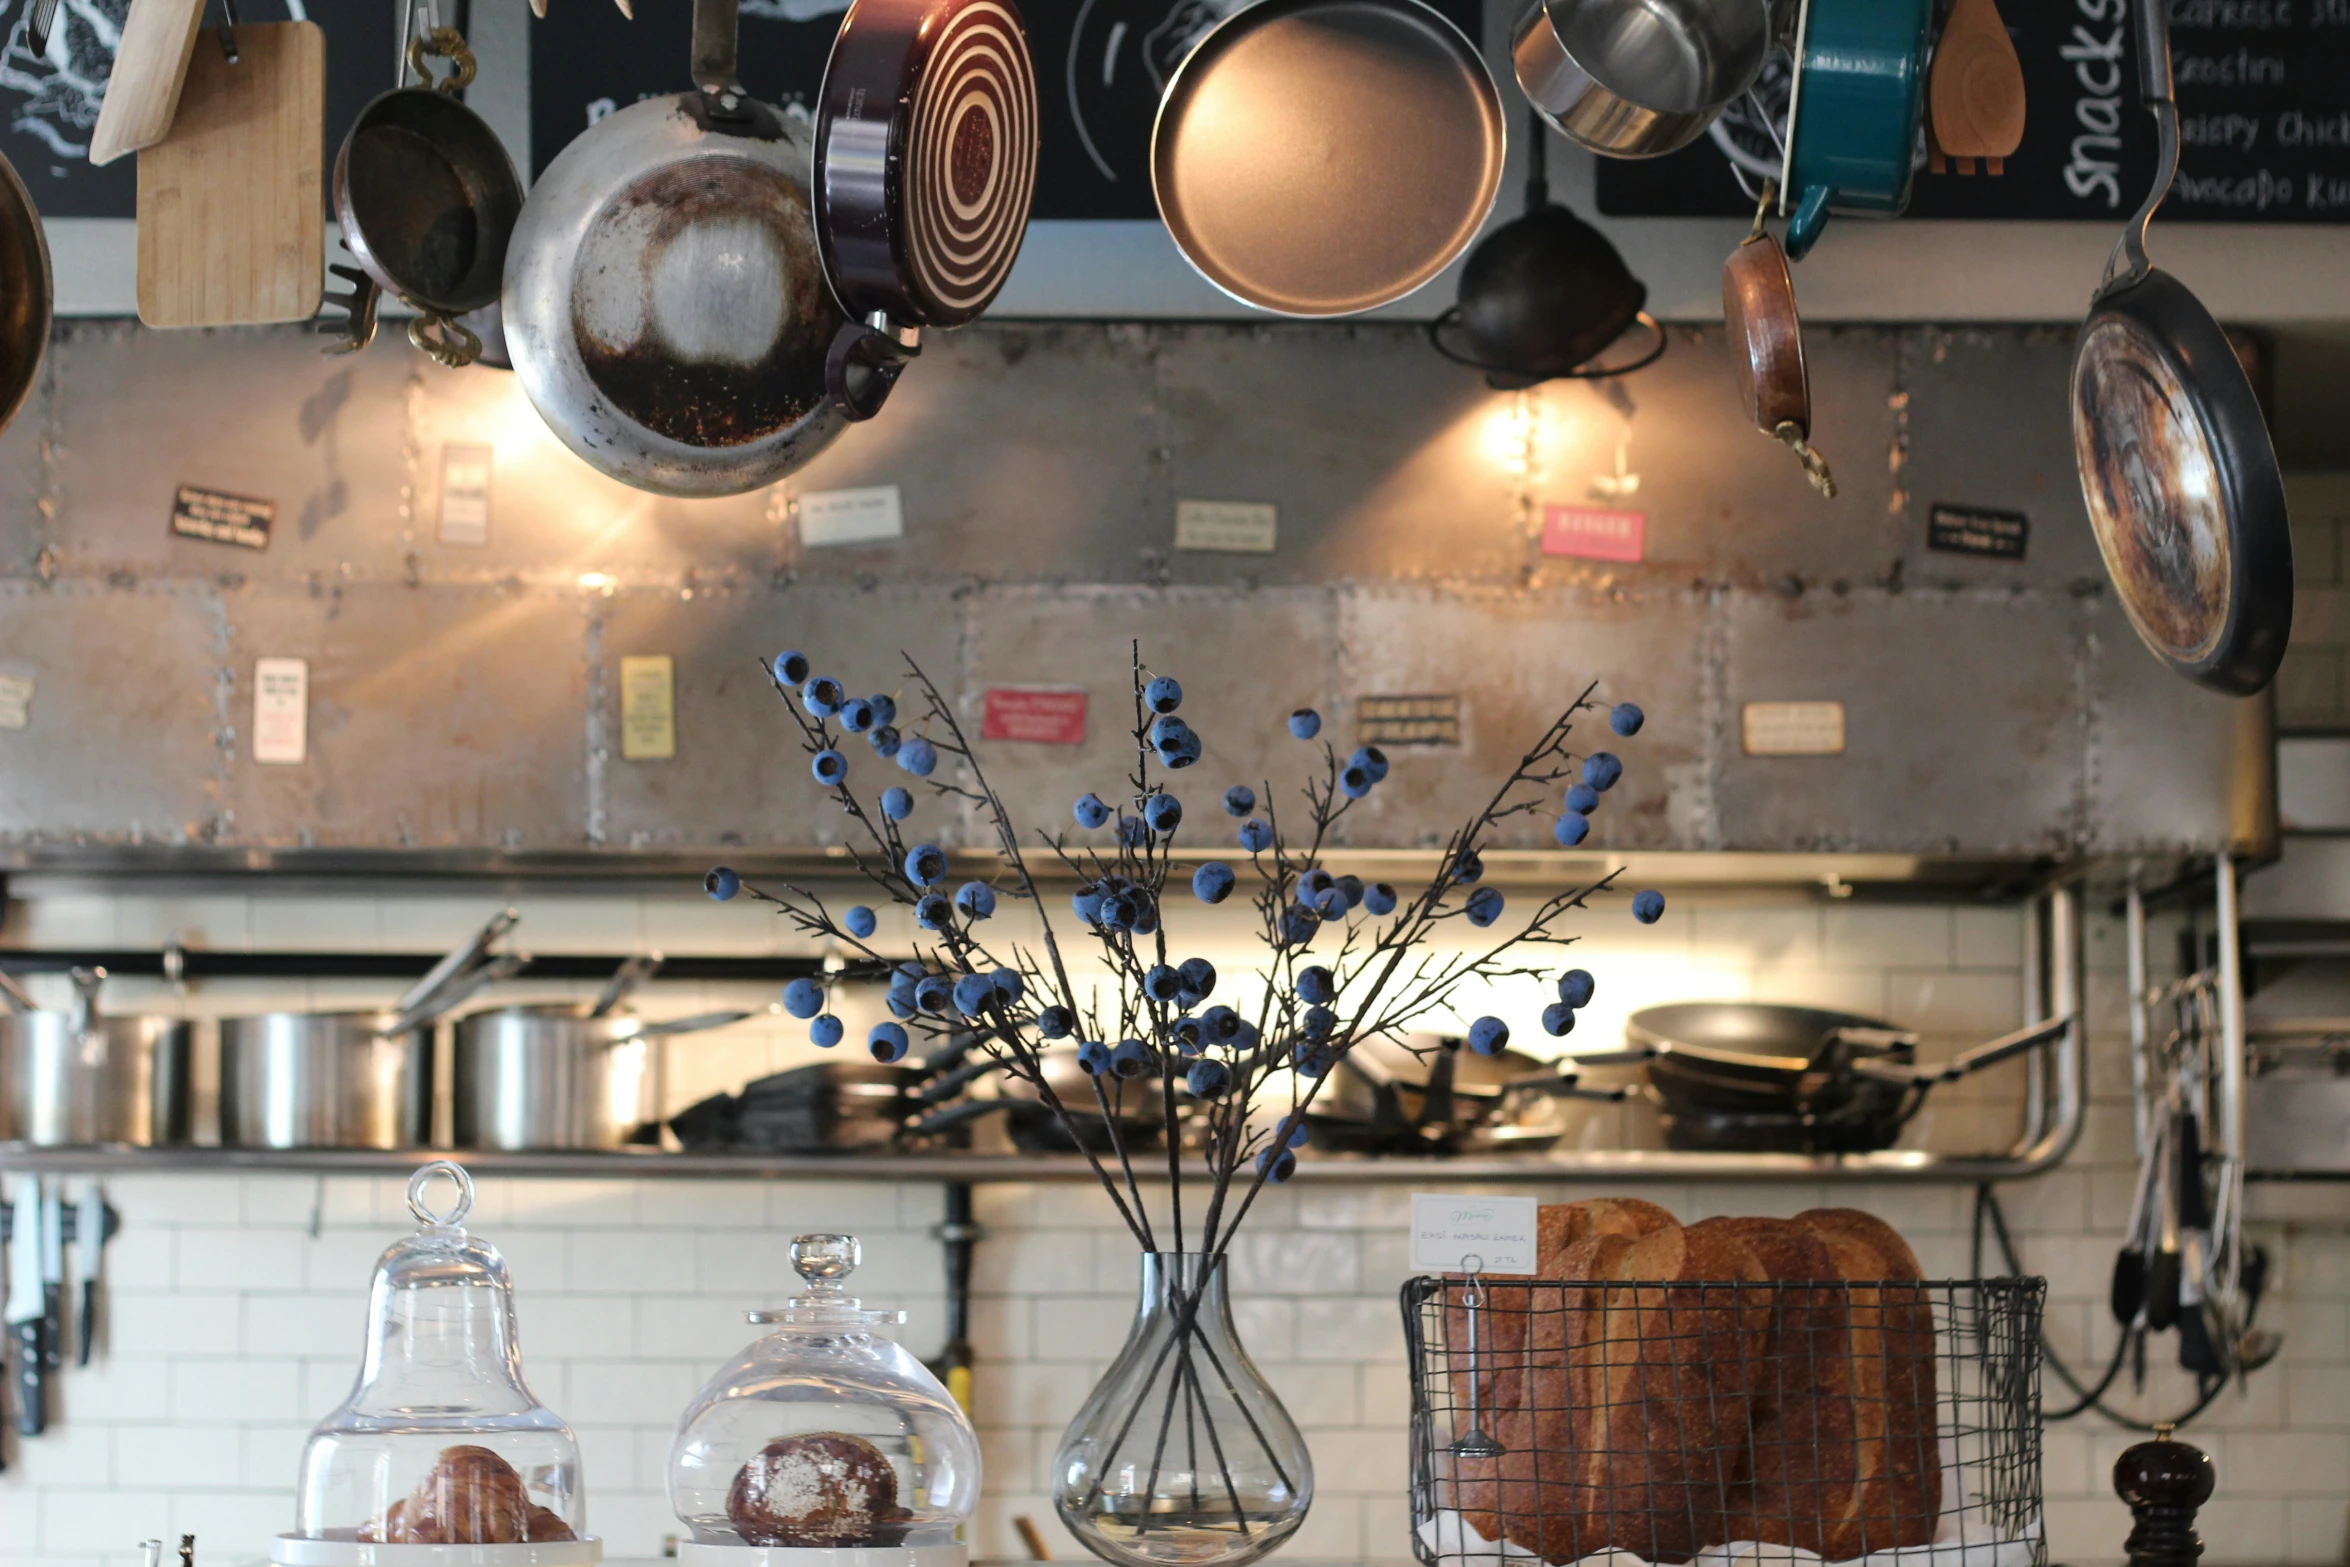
(74, 1078)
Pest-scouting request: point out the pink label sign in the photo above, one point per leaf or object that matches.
(1044, 717)
(1590, 533)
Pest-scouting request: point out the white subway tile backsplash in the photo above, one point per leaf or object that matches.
(185, 1455)
(210, 1390)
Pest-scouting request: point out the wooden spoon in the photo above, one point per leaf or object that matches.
(1976, 90)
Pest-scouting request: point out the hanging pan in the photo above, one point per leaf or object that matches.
(925, 168)
(25, 307)
(2176, 468)
(427, 199)
(1322, 157)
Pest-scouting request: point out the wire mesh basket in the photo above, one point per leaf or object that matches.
(1554, 1420)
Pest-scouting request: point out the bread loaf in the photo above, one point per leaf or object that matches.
(471, 1496)
(824, 1489)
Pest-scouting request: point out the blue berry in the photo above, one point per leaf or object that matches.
(1312, 1059)
(859, 922)
(934, 993)
(1371, 760)
(1162, 813)
(1056, 1022)
(829, 766)
(1188, 1038)
(1558, 1020)
(1162, 982)
(1118, 911)
(1355, 782)
(1648, 907)
(1379, 898)
(925, 864)
(1331, 904)
(1485, 905)
(1571, 829)
(1489, 1036)
(1294, 1133)
(1086, 904)
(1212, 882)
(933, 912)
(1278, 1164)
(1129, 1058)
(1352, 887)
(821, 695)
(1601, 769)
(902, 981)
(896, 803)
(1298, 924)
(722, 884)
(902, 1010)
(1239, 800)
(1146, 912)
(1199, 979)
(888, 1042)
(1305, 723)
(1162, 695)
(885, 709)
(976, 900)
(1166, 734)
(792, 669)
(1131, 833)
(825, 1032)
(919, 757)
(1177, 758)
(1318, 1022)
(1582, 798)
(1009, 986)
(1093, 1057)
(1625, 718)
(803, 998)
(856, 715)
(1313, 883)
(1576, 986)
(1221, 1024)
(1470, 867)
(885, 741)
(1209, 1078)
(1255, 836)
(1091, 811)
(972, 994)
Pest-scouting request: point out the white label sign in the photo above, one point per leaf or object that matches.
(281, 709)
(16, 702)
(465, 493)
(851, 516)
(1233, 527)
(1496, 1234)
(1792, 728)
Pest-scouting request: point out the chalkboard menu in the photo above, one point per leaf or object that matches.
(49, 102)
(1100, 67)
(2264, 111)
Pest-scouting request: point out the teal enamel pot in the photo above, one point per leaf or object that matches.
(1860, 90)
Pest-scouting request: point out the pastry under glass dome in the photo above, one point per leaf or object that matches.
(825, 1441)
(441, 1455)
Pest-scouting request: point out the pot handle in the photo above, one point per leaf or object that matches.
(1811, 215)
(86, 982)
(715, 25)
(862, 367)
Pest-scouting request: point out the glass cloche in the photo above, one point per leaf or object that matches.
(826, 1435)
(442, 1453)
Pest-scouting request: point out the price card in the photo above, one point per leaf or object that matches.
(1499, 1231)
(867, 516)
(648, 708)
(16, 702)
(281, 710)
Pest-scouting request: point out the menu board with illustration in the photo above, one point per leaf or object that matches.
(2264, 112)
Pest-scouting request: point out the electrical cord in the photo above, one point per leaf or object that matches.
(2087, 1398)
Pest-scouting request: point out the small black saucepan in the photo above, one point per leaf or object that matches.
(1033, 1124)
(925, 167)
(2181, 482)
(427, 199)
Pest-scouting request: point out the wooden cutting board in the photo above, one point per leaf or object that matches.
(232, 220)
(143, 90)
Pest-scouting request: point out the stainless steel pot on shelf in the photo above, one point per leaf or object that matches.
(75, 1079)
(324, 1080)
(556, 1077)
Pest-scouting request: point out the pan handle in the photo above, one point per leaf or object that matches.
(2129, 263)
(954, 1115)
(862, 367)
(715, 24)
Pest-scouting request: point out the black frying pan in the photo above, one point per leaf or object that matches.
(925, 170)
(2176, 468)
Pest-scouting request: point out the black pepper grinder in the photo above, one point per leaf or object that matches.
(2164, 1482)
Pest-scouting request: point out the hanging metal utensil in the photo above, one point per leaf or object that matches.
(2180, 479)
(631, 973)
(1766, 344)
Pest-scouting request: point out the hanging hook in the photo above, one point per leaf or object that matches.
(228, 47)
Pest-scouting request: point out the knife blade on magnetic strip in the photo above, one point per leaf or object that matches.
(27, 1309)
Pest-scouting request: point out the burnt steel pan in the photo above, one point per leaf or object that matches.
(2181, 482)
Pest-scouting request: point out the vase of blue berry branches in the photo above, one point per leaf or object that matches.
(1182, 1454)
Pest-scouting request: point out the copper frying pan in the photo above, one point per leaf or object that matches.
(1322, 157)
(1766, 345)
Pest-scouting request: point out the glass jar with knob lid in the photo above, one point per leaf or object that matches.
(825, 1443)
(441, 1456)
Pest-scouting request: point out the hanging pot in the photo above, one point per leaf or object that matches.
(553, 1077)
(75, 1079)
(1637, 81)
(1542, 295)
(925, 166)
(2180, 480)
(665, 306)
(427, 199)
(1766, 345)
(25, 303)
(1858, 99)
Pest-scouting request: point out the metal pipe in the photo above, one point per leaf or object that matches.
(2134, 914)
(2231, 1077)
(2035, 1009)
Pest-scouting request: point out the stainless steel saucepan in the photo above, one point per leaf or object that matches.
(74, 1078)
(561, 1076)
(349, 1079)
(1637, 78)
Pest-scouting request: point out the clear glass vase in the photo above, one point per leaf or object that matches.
(1182, 1454)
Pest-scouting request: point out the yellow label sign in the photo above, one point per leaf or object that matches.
(648, 708)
